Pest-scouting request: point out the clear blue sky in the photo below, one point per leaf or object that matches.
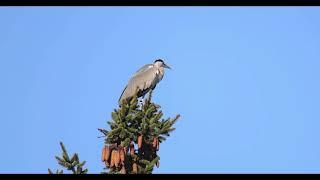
(244, 79)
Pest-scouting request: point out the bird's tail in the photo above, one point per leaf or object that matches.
(120, 99)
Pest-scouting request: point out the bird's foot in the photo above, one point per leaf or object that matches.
(140, 102)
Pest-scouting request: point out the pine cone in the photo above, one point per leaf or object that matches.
(112, 159)
(123, 170)
(121, 152)
(103, 154)
(134, 168)
(125, 149)
(158, 144)
(106, 153)
(140, 141)
(117, 158)
(131, 148)
(154, 143)
(158, 164)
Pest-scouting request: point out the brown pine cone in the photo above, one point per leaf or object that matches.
(158, 144)
(125, 149)
(134, 168)
(131, 148)
(103, 154)
(140, 141)
(117, 158)
(121, 152)
(112, 159)
(154, 143)
(107, 153)
(123, 170)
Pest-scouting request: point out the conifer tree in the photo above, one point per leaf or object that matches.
(131, 141)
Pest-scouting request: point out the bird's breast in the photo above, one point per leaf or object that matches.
(159, 75)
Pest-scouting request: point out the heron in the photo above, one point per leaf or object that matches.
(144, 80)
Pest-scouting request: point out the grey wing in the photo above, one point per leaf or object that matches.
(141, 81)
(143, 69)
(130, 88)
(145, 79)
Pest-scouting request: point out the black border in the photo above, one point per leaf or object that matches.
(159, 2)
(160, 176)
(154, 176)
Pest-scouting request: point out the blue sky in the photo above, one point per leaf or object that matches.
(245, 81)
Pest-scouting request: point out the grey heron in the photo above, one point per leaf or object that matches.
(144, 80)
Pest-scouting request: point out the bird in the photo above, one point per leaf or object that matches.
(144, 80)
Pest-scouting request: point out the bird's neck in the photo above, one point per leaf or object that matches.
(160, 71)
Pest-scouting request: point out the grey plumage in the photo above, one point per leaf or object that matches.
(144, 80)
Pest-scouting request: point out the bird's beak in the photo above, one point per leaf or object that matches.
(166, 66)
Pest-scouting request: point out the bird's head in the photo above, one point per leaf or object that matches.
(160, 63)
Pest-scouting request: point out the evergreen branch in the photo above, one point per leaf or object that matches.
(72, 164)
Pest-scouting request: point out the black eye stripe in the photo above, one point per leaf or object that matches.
(159, 60)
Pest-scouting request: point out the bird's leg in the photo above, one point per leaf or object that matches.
(142, 99)
(149, 95)
(140, 103)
